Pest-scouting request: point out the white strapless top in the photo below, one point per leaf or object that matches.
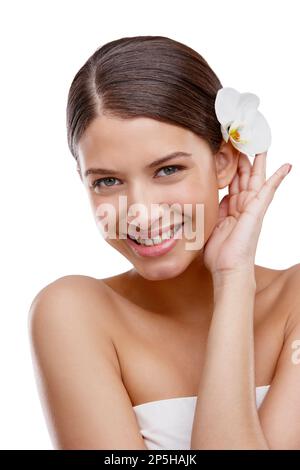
(167, 424)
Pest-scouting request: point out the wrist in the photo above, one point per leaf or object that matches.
(235, 279)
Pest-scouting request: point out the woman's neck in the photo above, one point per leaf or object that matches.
(188, 293)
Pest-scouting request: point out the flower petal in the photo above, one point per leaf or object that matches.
(244, 148)
(241, 122)
(241, 132)
(226, 105)
(247, 106)
(261, 134)
(224, 133)
(258, 136)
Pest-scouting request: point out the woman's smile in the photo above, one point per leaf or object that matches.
(157, 246)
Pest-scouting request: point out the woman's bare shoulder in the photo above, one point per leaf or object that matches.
(82, 294)
(78, 370)
(288, 281)
(274, 279)
(291, 291)
(76, 283)
(69, 280)
(77, 304)
(282, 290)
(292, 274)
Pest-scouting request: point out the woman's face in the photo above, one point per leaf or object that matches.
(129, 148)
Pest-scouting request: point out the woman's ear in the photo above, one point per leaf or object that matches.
(226, 161)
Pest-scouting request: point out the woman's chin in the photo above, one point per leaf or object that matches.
(165, 269)
(158, 268)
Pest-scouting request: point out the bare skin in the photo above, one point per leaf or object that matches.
(140, 325)
(145, 340)
(80, 325)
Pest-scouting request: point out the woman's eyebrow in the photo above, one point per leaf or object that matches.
(106, 171)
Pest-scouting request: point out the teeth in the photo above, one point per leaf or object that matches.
(156, 240)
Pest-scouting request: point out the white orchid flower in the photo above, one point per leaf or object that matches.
(241, 122)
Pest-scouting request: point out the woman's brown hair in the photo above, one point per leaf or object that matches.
(145, 76)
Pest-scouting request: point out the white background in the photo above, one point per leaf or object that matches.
(47, 226)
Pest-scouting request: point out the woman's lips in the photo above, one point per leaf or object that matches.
(155, 250)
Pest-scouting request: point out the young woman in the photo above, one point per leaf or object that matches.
(195, 347)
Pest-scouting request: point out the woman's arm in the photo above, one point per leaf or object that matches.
(226, 415)
(85, 402)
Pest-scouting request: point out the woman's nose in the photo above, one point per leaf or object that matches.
(143, 209)
(144, 216)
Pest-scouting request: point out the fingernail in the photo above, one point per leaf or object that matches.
(286, 168)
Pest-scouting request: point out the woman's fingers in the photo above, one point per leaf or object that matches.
(241, 179)
(266, 193)
(258, 172)
(239, 186)
(234, 185)
(244, 170)
(223, 208)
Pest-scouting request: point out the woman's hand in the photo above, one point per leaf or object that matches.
(232, 244)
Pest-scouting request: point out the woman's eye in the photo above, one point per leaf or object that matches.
(169, 173)
(97, 183)
(109, 181)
